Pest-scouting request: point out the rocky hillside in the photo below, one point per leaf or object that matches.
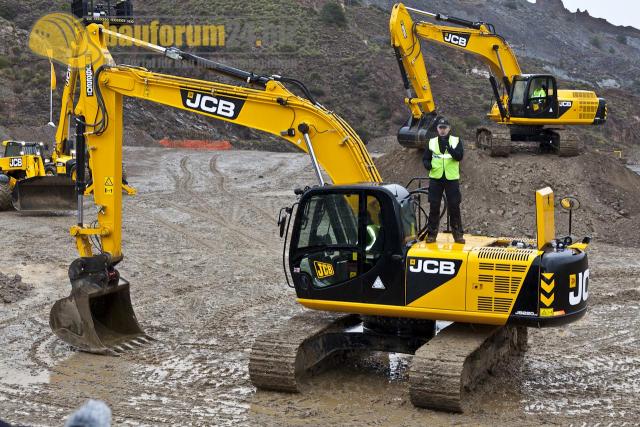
(344, 56)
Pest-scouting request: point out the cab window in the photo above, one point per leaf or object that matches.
(329, 238)
(374, 243)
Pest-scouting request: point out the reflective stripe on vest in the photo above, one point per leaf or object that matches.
(444, 163)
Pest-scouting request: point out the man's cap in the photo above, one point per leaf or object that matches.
(442, 122)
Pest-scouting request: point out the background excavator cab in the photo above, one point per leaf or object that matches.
(116, 11)
(534, 96)
(349, 240)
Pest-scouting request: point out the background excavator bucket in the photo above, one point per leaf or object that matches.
(45, 193)
(98, 320)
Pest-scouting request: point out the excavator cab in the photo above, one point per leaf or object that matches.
(534, 96)
(348, 242)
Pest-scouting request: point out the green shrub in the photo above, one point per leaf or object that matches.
(4, 62)
(595, 42)
(621, 38)
(332, 13)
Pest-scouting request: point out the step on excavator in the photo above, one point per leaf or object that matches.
(356, 256)
(527, 108)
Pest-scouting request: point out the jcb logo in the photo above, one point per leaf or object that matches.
(323, 269)
(432, 266)
(15, 162)
(580, 286)
(461, 40)
(228, 108)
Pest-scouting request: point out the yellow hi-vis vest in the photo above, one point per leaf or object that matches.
(444, 163)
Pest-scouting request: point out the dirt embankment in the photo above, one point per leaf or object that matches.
(12, 288)
(498, 193)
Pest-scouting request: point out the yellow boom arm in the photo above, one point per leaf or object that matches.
(476, 38)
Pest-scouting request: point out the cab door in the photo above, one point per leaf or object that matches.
(542, 98)
(326, 254)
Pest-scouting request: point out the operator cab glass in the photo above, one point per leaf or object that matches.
(17, 149)
(534, 97)
(343, 242)
(329, 239)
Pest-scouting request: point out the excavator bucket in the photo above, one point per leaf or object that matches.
(45, 193)
(98, 320)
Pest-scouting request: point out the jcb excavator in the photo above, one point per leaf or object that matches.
(26, 162)
(527, 107)
(356, 256)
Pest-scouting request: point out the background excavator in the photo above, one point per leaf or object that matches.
(355, 246)
(527, 107)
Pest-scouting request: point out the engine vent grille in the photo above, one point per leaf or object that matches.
(499, 305)
(504, 254)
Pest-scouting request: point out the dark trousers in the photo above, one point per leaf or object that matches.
(452, 190)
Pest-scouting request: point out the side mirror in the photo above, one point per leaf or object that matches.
(282, 219)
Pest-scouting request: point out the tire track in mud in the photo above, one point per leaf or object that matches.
(221, 179)
(184, 186)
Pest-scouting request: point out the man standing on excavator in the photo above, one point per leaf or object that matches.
(442, 159)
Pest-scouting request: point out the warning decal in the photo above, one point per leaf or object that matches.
(108, 185)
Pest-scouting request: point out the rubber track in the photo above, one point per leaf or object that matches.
(456, 360)
(277, 361)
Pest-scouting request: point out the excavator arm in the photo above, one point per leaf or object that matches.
(477, 38)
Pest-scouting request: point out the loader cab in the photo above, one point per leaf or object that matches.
(348, 243)
(20, 148)
(534, 96)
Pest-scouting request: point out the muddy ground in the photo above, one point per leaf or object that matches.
(204, 259)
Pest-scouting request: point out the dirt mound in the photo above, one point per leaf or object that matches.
(498, 193)
(12, 289)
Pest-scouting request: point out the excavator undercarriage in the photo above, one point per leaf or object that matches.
(501, 140)
(444, 366)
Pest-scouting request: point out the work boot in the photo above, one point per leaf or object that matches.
(431, 238)
(458, 237)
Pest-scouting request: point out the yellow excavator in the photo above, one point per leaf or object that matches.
(356, 255)
(527, 107)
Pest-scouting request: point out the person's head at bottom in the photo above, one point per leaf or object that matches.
(93, 413)
(443, 127)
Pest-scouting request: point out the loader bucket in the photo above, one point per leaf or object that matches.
(45, 193)
(98, 320)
